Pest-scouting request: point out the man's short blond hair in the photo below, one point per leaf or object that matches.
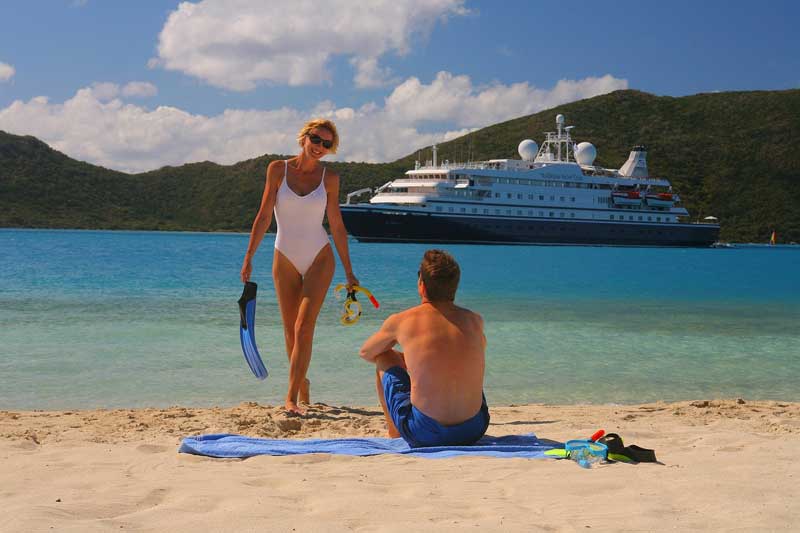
(320, 123)
(440, 274)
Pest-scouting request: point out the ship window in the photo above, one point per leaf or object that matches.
(561, 214)
(630, 217)
(497, 195)
(572, 215)
(530, 213)
(658, 219)
(519, 211)
(519, 197)
(541, 197)
(612, 217)
(496, 211)
(463, 210)
(508, 194)
(650, 218)
(541, 213)
(573, 198)
(640, 217)
(474, 210)
(552, 198)
(530, 197)
(438, 208)
(562, 198)
(552, 214)
(485, 211)
(450, 209)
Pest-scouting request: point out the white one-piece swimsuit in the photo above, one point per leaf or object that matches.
(300, 233)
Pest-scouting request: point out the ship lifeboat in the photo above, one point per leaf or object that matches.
(662, 199)
(632, 198)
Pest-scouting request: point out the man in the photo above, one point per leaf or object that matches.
(432, 392)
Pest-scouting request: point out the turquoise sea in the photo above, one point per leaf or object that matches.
(128, 319)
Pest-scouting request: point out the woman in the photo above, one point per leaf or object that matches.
(301, 191)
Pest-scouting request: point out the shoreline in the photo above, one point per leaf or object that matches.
(322, 420)
(725, 464)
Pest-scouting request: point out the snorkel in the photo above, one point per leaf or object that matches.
(352, 307)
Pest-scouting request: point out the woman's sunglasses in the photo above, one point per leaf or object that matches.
(316, 139)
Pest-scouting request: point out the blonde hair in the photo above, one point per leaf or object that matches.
(440, 274)
(320, 123)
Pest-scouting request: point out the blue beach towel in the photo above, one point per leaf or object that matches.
(237, 446)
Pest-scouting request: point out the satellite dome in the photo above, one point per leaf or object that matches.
(585, 153)
(528, 149)
(559, 119)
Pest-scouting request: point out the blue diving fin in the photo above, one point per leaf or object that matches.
(247, 330)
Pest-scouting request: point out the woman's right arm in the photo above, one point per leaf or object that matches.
(263, 218)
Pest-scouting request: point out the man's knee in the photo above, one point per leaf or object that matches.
(388, 359)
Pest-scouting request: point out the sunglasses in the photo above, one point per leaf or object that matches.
(316, 139)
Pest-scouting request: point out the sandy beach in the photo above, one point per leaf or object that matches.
(728, 465)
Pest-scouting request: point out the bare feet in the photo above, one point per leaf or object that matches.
(292, 408)
(305, 392)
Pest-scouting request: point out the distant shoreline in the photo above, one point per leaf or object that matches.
(271, 231)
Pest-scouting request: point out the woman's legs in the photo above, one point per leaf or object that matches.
(300, 300)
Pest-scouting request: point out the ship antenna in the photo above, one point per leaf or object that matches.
(434, 156)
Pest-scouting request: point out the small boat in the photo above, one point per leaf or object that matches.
(662, 199)
(632, 198)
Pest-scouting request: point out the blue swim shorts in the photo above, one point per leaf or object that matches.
(418, 429)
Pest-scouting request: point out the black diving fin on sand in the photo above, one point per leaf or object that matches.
(247, 330)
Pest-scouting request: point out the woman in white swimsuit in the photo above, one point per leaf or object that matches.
(301, 192)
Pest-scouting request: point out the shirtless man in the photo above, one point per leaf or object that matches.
(432, 393)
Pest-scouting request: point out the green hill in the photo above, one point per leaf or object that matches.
(729, 155)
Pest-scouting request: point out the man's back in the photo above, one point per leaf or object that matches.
(443, 346)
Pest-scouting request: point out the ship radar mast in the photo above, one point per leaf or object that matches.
(557, 146)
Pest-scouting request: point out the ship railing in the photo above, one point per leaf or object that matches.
(456, 166)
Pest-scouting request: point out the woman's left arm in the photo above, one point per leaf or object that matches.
(338, 231)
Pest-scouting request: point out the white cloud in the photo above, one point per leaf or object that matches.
(455, 99)
(6, 72)
(236, 44)
(95, 125)
(369, 74)
(104, 91)
(139, 89)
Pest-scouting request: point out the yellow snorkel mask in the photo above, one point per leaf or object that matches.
(352, 307)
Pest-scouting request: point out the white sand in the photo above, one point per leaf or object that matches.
(727, 466)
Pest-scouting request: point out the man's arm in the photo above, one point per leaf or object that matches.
(381, 340)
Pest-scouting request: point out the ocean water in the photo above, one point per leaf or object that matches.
(94, 319)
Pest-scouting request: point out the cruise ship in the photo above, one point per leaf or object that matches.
(554, 194)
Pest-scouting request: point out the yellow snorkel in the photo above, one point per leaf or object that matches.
(352, 307)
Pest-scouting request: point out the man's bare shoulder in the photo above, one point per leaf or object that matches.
(470, 313)
(411, 312)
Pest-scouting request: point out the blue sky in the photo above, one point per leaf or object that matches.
(137, 85)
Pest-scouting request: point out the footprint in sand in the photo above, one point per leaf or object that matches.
(152, 448)
(289, 424)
